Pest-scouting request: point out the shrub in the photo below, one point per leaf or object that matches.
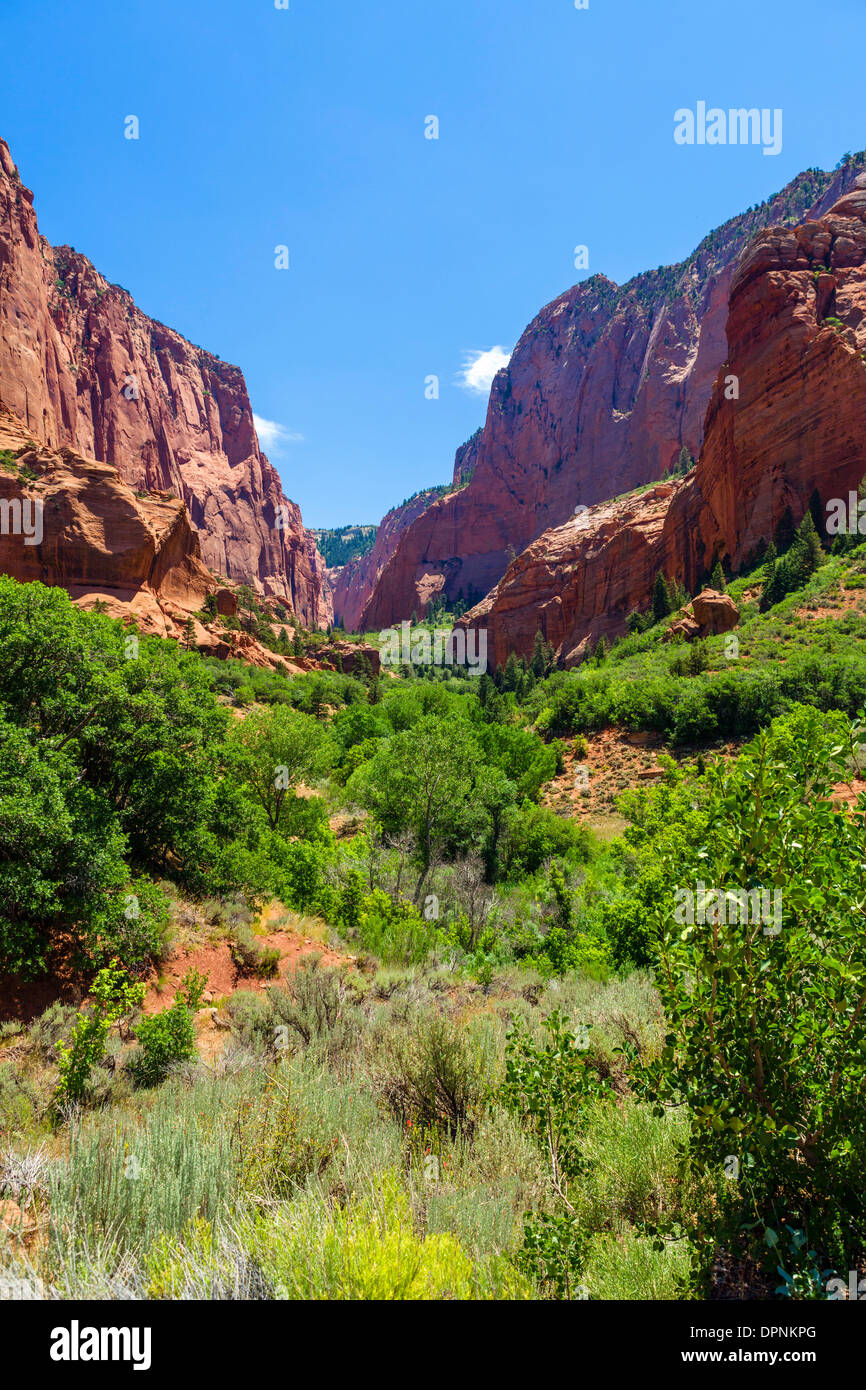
(164, 1039)
(767, 1030)
(436, 1078)
(113, 996)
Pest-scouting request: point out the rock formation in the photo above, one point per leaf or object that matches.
(354, 582)
(82, 367)
(71, 521)
(605, 390)
(796, 426)
(708, 614)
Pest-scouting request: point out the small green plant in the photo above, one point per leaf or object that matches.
(191, 989)
(548, 1086)
(168, 1037)
(798, 1265)
(114, 995)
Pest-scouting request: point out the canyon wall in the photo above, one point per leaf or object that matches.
(83, 367)
(604, 390)
(792, 422)
(353, 583)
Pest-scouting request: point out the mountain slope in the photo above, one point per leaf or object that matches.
(796, 342)
(82, 366)
(605, 388)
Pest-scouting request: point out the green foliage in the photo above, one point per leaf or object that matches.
(113, 996)
(274, 749)
(662, 603)
(549, 1084)
(786, 575)
(168, 1037)
(344, 543)
(767, 1025)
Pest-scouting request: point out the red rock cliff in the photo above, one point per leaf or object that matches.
(796, 343)
(83, 367)
(354, 582)
(603, 391)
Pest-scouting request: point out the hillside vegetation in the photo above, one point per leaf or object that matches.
(531, 1060)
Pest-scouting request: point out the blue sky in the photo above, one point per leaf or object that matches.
(409, 257)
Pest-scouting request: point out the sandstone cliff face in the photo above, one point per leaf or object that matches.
(354, 582)
(604, 389)
(71, 521)
(83, 367)
(139, 556)
(796, 339)
(796, 342)
(577, 582)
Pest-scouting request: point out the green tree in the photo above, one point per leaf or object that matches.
(423, 780)
(273, 750)
(661, 605)
(766, 1009)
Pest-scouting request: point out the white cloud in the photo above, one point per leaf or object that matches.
(479, 368)
(273, 436)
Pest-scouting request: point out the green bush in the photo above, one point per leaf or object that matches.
(163, 1040)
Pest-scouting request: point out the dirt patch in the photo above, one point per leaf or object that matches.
(846, 601)
(848, 793)
(293, 936)
(615, 760)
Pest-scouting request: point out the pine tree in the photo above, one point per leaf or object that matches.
(717, 581)
(771, 590)
(538, 663)
(807, 546)
(189, 633)
(661, 598)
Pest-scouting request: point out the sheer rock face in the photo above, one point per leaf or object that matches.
(604, 390)
(354, 582)
(138, 556)
(84, 368)
(796, 339)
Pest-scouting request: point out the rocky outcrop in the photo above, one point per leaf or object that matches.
(714, 613)
(354, 582)
(604, 391)
(795, 425)
(577, 583)
(71, 521)
(84, 368)
(708, 614)
(350, 658)
(84, 528)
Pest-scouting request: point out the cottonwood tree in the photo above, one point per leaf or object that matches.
(274, 749)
